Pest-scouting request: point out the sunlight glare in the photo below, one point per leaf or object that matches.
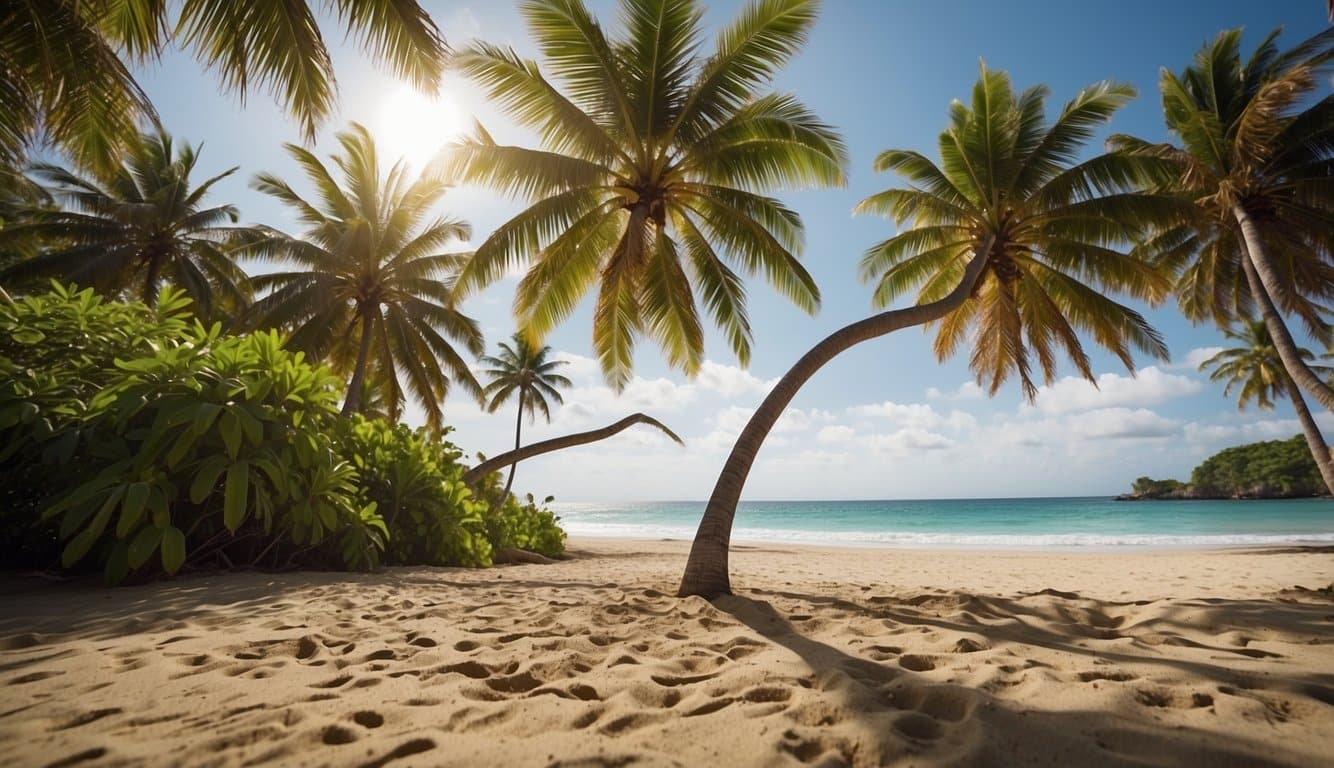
(414, 126)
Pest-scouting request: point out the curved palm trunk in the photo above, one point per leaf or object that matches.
(1263, 281)
(518, 426)
(352, 404)
(1314, 440)
(706, 571)
(557, 443)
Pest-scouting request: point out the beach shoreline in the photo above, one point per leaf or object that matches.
(825, 656)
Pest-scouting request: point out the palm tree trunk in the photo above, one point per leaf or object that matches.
(1314, 440)
(352, 404)
(472, 476)
(1263, 282)
(518, 425)
(706, 572)
(151, 281)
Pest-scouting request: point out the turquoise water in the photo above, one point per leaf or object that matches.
(1044, 523)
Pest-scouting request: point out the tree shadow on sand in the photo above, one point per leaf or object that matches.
(907, 717)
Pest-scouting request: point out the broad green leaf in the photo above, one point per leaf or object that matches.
(234, 495)
(132, 510)
(143, 545)
(230, 428)
(173, 549)
(206, 479)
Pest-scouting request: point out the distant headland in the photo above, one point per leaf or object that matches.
(1272, 469)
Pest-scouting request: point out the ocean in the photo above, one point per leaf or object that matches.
(1049, 523)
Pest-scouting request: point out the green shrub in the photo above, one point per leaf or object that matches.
(189, 443)
(136, 440)
(415, 481)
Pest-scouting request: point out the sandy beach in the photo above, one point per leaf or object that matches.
(824, 657)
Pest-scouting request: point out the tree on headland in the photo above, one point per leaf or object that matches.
(651, 184)
(1256, 159)
(1256, 367)
(1009, 239)
(134, 227)
(371, 291)
(65, 64)
(523, 371)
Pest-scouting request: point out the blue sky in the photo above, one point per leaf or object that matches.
(885, 420)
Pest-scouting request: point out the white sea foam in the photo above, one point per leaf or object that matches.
(953, 540)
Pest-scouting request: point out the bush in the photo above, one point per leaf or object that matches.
(149, 441)
(136, 440)
(415, 481)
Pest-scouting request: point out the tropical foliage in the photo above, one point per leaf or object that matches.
(652, 181)
(1012, 243)
(1255, 159)
(1269, 469)
(371, 291)
(132, 228)
(1258, 369)
(523, 371)
(147, 441)
(137, 441)
(65, 74)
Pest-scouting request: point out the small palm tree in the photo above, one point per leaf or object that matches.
(1255, 160)
(652, 178)
(65, 76)
(135, 227)
(371, 292)
(1011, 244)
(1258, 369)
(523, 370)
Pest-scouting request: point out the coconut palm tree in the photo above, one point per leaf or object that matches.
(523, 370)
(1256, 367)
(1256, 158)
(1011, 243)
(64, 64)
(133, 228)
(371, 289)
(652, 177)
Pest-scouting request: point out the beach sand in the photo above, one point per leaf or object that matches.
(824, 657)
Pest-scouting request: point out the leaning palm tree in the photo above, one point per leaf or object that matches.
(134, 228)
(1256, 159)
(65, 76)
(1011, 245)
(371, 287)
(1256, 367)
(651, 184)
(523, 370)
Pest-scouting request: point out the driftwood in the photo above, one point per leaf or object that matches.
(472, 476)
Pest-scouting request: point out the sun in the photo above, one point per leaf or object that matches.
(414, 126)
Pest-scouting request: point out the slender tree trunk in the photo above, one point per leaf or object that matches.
(352, 404)
(1314, 440)
(1263, 282)
(518, 425)
(151, 281)
(706, 572)
(472, 476)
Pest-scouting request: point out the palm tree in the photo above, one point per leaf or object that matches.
(372, 289)
(1009, 241)
(523, 369)
(64, 71)
(1256, 367)
(652, 178)
(1256, 160)
(138, 225)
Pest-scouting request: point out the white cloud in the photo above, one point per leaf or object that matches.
(969, 390)
(914, 416)
(1122, 423)
(906, 442)
(1149, 387)
(731, 381)
(1195, 357)
(835, 433)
